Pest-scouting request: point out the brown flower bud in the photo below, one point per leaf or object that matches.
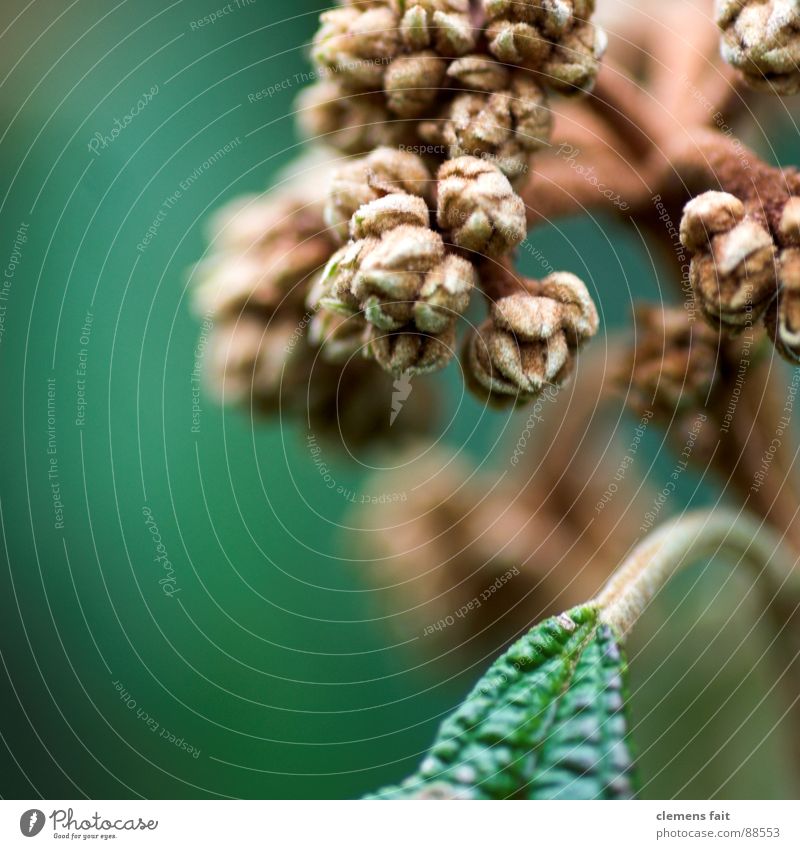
(402, 280)
(783, 316)
(708, 215)
(573, 64)
(411, 352)
(454, 34)
(559, 15)
(268, 251)
(377, 217)
(355, 44)
(578, 314)
(413, 83)
(733, 271)
(335, 290)
(252, 362)
(761, 38)
(445, 294)
(789, 226)
(353, 123)
(385, 171)
(443, 23)
(414, 29)
(554, 37)
(518, 43)
(391, 274)
(505, 127)
(407, 278)
(479, 73)
(526, 343)
(478, 208)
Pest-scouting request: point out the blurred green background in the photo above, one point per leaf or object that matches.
(271, 658)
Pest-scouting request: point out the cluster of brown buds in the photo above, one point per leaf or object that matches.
(455, 77)
(746, 263)
(761, 38)
(453, 93)
(443, 101)
(402, 285)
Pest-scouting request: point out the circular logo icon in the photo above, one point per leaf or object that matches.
(31, 822)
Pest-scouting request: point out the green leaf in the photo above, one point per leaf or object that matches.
(547, 721)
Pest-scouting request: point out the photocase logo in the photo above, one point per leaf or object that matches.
(402, 390)
(31, 822)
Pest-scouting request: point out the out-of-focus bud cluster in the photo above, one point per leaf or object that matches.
(746, 265)
(702, 385)
(675, 363)
(268, 256)
(452, 76)
(469, 558)
(761, 39)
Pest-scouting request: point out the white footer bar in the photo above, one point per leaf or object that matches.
(401, 825)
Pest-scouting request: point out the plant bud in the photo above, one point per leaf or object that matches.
(735, 281)
(454, 34)
(338, 276)
(354, 45)
(733, 260)
(675, 363)
(554, 37)
(414, 29)
(579, 318)
(249, 360)
(783, 316)
(408, 351)
(445, 294)
(518, 43)
(383, 172)
(761, 38)
(391, 274)
(503, 369)
(268, 252)
(478, 208)
(504, 127)
(443, 23)
(479, 73)
(413, 83)
(789, 227)
(573, 64)
(377, 217)
(527, 342)
(708, 215)
(532, 118)
(351, 123)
